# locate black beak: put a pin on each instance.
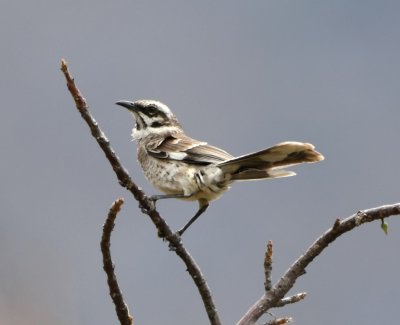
(128, 105)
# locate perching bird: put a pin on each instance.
(189, 169)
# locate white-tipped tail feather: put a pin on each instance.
(268, 163)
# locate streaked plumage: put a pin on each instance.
(189, 169)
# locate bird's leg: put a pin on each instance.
(203, 205)
(155, 198)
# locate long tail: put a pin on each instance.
(269, 163)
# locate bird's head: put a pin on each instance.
(151, 117)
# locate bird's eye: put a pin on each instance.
(156, 124)
(151, 110)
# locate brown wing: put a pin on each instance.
(183, 148)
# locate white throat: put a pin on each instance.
(163, 130)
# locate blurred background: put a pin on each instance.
(240, 75)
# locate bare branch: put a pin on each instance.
(272, 298)
(116, 295)
(268, 266)
(145, 203)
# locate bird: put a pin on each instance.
(188, 169)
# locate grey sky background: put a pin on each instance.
(242, 75)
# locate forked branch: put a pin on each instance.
(274, 297)
(145, 203)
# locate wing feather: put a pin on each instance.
(183, 148)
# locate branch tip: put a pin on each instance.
(292, 299)
(64, 65)
(121, 307)
(269, 249)
(268, 266)
(117, 204)
(280, 321)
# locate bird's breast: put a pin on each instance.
(178, 177)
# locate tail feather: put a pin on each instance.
(255, 174)
(268, 163)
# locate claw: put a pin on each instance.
(152, 205)
(172, 247)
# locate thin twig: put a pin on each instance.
(279, 290)
(280, 321)
(268, 266)
(145, 203)
(291, 300)
(116, 295)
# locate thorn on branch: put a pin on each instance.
(336, 224)
(116, 295)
